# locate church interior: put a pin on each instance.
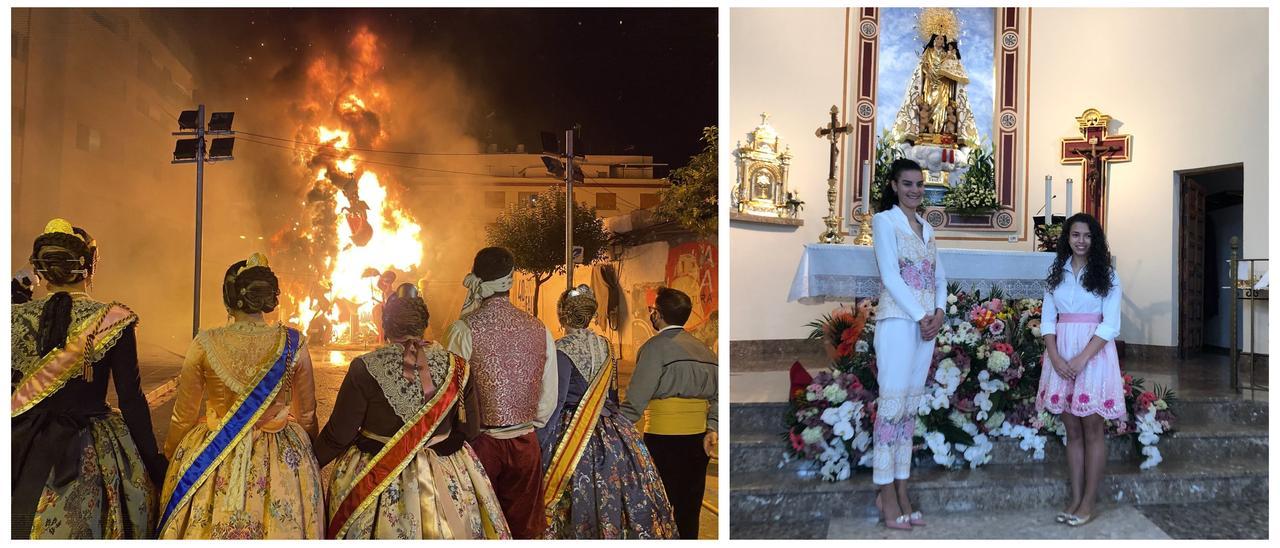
(1152, 120)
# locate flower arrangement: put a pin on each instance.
(1047, 236)
(981, 386)
(977, 194)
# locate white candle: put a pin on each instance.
(866, 186)
(1048, 200)
(1068, 196)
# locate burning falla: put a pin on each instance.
(358, 233)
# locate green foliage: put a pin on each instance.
(886, 153)
(977, 193)
(692, 200)
(534, 232)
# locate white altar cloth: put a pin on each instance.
(843, 272)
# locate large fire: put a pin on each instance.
(359, 235)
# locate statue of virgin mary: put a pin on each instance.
(936, 110)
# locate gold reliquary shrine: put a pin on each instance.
(761, 187)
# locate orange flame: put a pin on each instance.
(394, 237)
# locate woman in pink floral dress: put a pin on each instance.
(1081, 379)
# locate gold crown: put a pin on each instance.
(60, 226)
(257, 259)
(939, 21)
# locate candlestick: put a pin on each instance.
(1048, 200)
(1068, 196)
(866, 186)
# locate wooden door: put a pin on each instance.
(1191, 269)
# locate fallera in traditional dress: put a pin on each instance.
(394, 423)
(1075, 315)
(600, 479)
(80, 468)
(247, 470)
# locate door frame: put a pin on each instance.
(1176, 244)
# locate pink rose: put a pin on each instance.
(1084, 398)
(1054, 399)
(1109, 404)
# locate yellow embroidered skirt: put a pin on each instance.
(268, 487)
(434, 497)
(111, 498)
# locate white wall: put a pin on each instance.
(789, 63)
(1190, 85)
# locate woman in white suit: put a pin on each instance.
(908, 317)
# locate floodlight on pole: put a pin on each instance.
(220, 149)
(220, 122)
(554, 166)
(186, 151)
(189, 120)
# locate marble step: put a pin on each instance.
(1112, 522)
(768, 417)
(781, 496)
(759, 451)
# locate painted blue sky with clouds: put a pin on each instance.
(900, 46)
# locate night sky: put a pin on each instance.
(639, 81)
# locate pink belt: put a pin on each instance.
(1079, 318)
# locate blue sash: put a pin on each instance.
(234, 426)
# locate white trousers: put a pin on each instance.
(902, 365)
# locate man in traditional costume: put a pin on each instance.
(513, 361)
(80, 468)
(246, 469)
(675, 379)
(600, 481)
(405, 411)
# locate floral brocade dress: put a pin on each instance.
(268, 485)
(615, 491)
(443, 492)
(82, 470)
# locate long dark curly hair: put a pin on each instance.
(1098, 269)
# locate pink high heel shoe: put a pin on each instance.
(902, 522)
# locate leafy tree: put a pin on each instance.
(534, 232)
(692, 200)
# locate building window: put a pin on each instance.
(495, 198)
(87, 138)
(606, 201)
(526, 198)
(648, 200)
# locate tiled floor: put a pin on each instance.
(1230, 520)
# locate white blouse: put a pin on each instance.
(1071, 298)
(900, 251)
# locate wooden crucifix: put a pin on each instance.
(832, 132)
(1095, 151)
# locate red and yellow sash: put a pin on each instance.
(574, 440)
(400, 450)
(60, 365)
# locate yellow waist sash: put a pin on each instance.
(677, 416)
